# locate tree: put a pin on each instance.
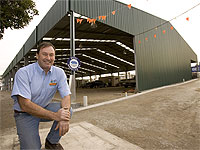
(16, 14)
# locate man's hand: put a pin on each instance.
(63, 127)
(63, 115)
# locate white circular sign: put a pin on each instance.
(73, 63)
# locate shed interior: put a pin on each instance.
(100, 48)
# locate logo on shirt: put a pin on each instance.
(53, 82)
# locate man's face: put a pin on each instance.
(46, 58)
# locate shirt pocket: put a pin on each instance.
(52, 88)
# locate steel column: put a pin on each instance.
(26, 60)
(72, 54)
(9, 81)
(135, 58)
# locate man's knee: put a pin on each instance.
(55, 106)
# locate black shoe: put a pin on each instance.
(57, 146)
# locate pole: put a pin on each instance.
(135, 59)
(72, 54)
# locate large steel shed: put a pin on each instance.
(118, 43)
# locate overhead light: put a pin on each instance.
(124, 46)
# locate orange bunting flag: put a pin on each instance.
(163, 31)
(113, 12)
(171, 28)
(154, 35)
(139, 42)
(79, 20)
(187, 18)
(129, 6)
(103, 17)
(94, 20)
(89, 20)
(146, 39)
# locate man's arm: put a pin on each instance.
(36, 110)
(64, 125)
(66, 102)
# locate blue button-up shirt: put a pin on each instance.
(32, 83)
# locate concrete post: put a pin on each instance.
(126, 94)
(85, 101)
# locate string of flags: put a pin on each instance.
(103, 18)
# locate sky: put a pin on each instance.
(13, 40)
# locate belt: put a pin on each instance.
(16, 111)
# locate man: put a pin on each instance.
(33, 90)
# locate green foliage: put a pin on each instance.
(16, 14)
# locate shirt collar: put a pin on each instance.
(40, 70)
(51, 69)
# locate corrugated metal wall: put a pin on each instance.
(160, 61)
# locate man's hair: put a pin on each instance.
(43, 45)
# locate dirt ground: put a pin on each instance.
(168, 118)
(98, 95)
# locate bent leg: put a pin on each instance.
(27, 130)
(53, 136)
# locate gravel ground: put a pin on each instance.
(168, 118)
